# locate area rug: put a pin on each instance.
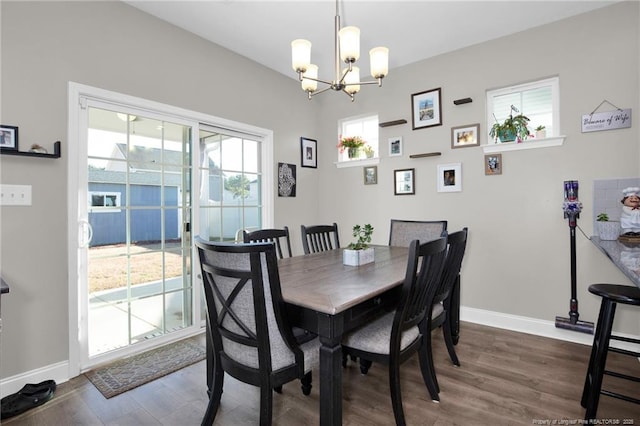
(133, 371)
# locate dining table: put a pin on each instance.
(328, 298)
(625, 255)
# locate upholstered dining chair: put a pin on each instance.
(251, 337)
(441, 305)
(393, 338)
(319, 238)
(402, 232)
(280, 237)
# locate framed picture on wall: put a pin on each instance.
(395, 146)
(465, 136)
(449, 177)
(425, 109)
(404, 182)
(370, 175)
(493, 164)
(8, 138)
(286, 180)
(308, 152)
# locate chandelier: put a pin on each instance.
(347, 50)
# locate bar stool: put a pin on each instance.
(611, 294)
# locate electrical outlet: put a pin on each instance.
(15, 195)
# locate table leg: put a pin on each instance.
(330, 375)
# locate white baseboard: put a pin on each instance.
(58, 372)
(535, 326)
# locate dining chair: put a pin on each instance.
(279, 237)
(441, 304)
(394, 337)
(252, 339)
(319, 238)
(275, 236)
(402, 232)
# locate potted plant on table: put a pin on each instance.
(359, 252)
(608, 230)
(513, 127)
(352, 144)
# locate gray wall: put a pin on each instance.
(518, 253)
(517, 260)
(112, 46)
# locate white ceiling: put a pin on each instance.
(262, 30)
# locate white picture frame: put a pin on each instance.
(449, 177)
(395, 146)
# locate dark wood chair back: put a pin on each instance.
(319, 238)
(280, 237)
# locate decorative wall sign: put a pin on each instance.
(609, 120)
(286, 180)
(425, 108)
(450, 177)
(308, 152)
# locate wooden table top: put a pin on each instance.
(322, 283)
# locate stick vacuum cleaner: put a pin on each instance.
(572, 208)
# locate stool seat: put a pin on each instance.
(611, 295)
(629, 295)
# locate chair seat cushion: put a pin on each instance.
(375, 336)
(437, 309)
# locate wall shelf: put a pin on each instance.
(392, 123)
(56, 152)
(428, 154)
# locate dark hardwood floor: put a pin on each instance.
(505, 378)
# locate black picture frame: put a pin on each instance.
(426, 109)
(308, 153)
(404, 182)
(8, 138)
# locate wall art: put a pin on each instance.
(425, 108)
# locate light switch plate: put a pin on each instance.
(15, 195)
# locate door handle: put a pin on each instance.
(85, 234)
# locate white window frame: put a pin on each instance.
(551, 139)
(104, 209)
(370, 138)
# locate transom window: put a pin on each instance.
(367, 128)
(537, 100)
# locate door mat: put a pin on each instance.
(136, 370)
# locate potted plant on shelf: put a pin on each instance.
(359, 253)
(368, 151)
(513, 127)
(541, 133)
(608, 230)
(352, 144)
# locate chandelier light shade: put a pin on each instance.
(310, 78)
(347, 50)
(379, 60)
(300, 55)
(349, 44)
